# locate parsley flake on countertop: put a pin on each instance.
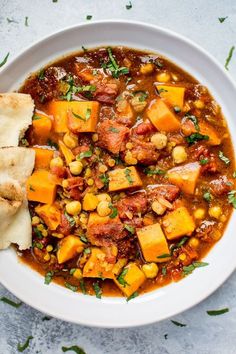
(129, 6)
(73, 348)
(22, 347)
(4, 60)
(217, 312)
(222, 19)
(178, 324)
(229, 57)
(10, 302)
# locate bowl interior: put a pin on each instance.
(176, 297)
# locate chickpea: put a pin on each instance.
(215, 211)
(146, 68)
(179, 154)
(159, 140)
(76, 167)
(73, 208)
(111, 162)
(102, 168)
(103, 208)
(104, 197)
(49, 248)
(163, 77)
(150, 270)
(90, 182)
(47, 257)
(199, 213)
(56, 162)
(70, 140)
(158, 208)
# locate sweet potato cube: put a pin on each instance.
(69, 247)
(174, 95)
(130, 279)
(153, 243)
(178, 223)
(41, 187)
(50, 214)
(42, 125)
(161, 116)
(185, 176)
(206, 129)
(43, 158)
(90, 202)
(68, 154)
(124, 178)
(78, 116)
(97, 266)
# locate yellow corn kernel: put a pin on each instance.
(44, 233)
(78, 274)
(56, 162)
(47, 257)
(90, 182)
(199, 104)
(76, 167)
(88, 172)
(83, 218)
(102, 168)
(223, 218)
(114, 250)
(146, 68)
(65, 183)
(199, 213)
(73, 208)
(35, 220)
(57, 235)
(103, 208)
(70, 140)
(194, 242)
(49, 248)
(129, 146)
(163, 77)
(179, 154)
(129, 159)
(215, 211)
(95, 137)
(158, 208)
(40, 227)
(150, 270)
(182, 256)
(159, 140)
(111, 162)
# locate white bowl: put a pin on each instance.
(176, 297)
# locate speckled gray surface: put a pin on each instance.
(198, 20)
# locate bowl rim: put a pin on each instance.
(217, 282)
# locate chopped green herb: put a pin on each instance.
(194, 120)
(87, 251)
(135, 294)
(84, 154)
(118, 160)
(164, 255)
(71, 287)
(128, 80)
(70, 219)
(95, 72)
(41, 74)
(38, 233)
(89, 17)
(158, 63)
(222, 19)
(161, 90)
(52, 144)
(54, 0)
(128, 176)
(163, 270)
(73, 348)
(48, 277)
(113, 130)
(232, 198)
(129, 228)
(31, 188)
(129, 6)
(105, 179)
(98, 290)
(229, 57)
(4, 60)
(114, 211)
(27, 21)
(177, 109)
(190, 268)
(38, 245)
(24, 142)
(42, 98)
(10, 302)
(207, 196)
(84, 49)
(72, 270)
(178, 323)
(194, 137)
(234, 174)
(114, 68)
(35, 117)
(22, 347)
(11, 20)
(203, 161)
(142, 95)
(166, 336)
(149, 172)
(78, 116)
(83, 238)
(217, 312)
(178, 245)
(82, 287)
(121, 279)
(223, 158)
(87, 114)
(46, 318)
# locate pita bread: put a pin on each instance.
(16, 110)
(16, 165)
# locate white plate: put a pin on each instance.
(176, 297)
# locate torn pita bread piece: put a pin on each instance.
(16, 165)
(16, 111)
